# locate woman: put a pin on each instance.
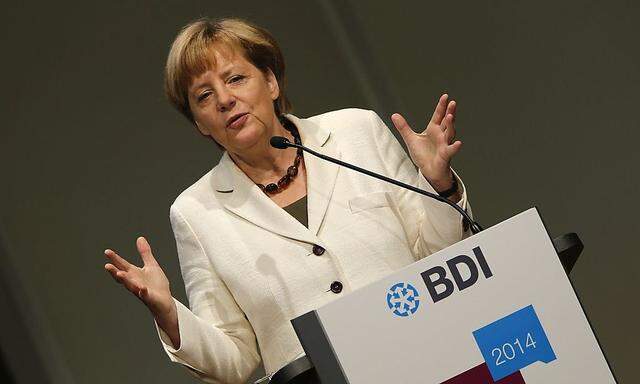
(268, 234)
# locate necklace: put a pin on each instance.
(292, 171)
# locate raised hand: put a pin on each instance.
(149, 283)
(432, 149)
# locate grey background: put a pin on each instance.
(92, 155)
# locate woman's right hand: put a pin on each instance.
(149, 283)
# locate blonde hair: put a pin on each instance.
(190, 56)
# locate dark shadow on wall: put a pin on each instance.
(19, 358)
(5, 375)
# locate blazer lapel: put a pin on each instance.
(321, 174)
(238, 194)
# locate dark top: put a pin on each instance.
(298, 209)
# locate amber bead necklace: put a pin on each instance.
(292, 171)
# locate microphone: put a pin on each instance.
(283, 143)
(279, 142)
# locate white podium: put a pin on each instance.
(495, 307)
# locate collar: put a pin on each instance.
(239, 194)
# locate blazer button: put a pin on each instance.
(336, 287)
(318, 250)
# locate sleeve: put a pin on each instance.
(217, 343)
(430, 225)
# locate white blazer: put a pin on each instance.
(248, 266)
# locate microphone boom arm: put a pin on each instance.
(475, 227)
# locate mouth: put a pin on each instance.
(237, 120)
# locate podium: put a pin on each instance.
(496, 307)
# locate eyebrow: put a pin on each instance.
(224, 74)
(195, 90)
(228, 71)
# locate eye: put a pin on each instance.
(203, 96)
(236, 78)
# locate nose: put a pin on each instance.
(226, 100)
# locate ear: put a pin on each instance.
(272, 84)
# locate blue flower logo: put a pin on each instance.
(403, 299)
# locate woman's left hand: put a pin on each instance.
(433, 149)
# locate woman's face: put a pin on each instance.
(233, 102)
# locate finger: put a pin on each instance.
(118, 261)
(132, 284)
(450, 130)
(451, 109)
(112, 271)
(117, 274)
(440, 110)
(453, 149)
(402, 126)
(144, 249)
(122, 278)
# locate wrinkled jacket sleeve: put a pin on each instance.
(430, 225)
(217, 343)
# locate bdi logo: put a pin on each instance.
(440, 286)
(403, 299)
